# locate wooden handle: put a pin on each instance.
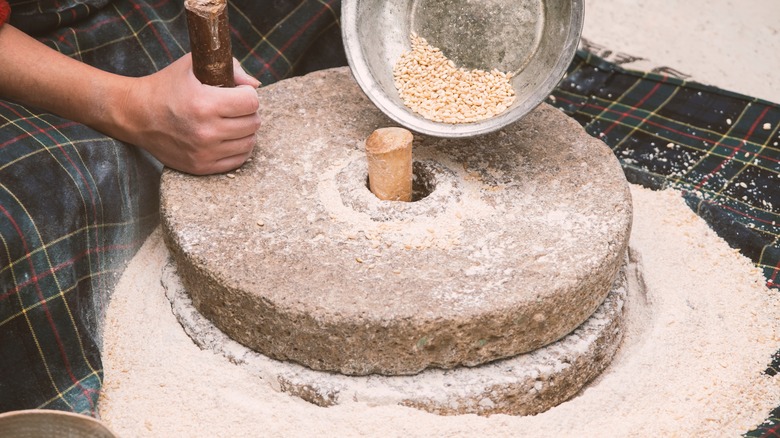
(389, 152)
(212, 57)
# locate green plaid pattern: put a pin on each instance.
(75, 206)
(68, 223)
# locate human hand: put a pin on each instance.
(188, 126)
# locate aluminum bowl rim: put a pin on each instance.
(371, 88)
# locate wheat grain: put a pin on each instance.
(432, 86)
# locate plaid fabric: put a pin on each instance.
(718, 148)
(771, 426)
(37, 17)
(68, 222)
(769, 429)
(75, 205)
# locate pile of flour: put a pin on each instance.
(691, 363)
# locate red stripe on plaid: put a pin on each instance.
(45, 131)
(774, 432)
(301, 30)
(83, 178)
(733, 210)
(5, 11)
(72, 31)
(736, 150)
(28, 135)
(73, 13)
(639, 104)
(38, 277)
(664, 127)
(771, 282)
(157, 35)
(86, 30)
(254, 54)
(47, 312)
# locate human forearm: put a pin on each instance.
(186, 125)
(36, 75)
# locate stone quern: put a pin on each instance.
(511, 242)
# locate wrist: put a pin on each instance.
(117, 109)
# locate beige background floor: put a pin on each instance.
(728, 43)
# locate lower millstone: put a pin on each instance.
(527, 384)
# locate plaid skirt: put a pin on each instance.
(76, 205)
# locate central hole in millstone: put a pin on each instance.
(423, 181)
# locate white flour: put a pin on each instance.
(691, 364)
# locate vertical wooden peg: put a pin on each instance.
(389, 152)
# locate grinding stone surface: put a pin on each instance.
(527, 384)
(516, 244)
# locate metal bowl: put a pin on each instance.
(41, 423)
(535, 40)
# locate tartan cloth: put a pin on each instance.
(75, 205)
